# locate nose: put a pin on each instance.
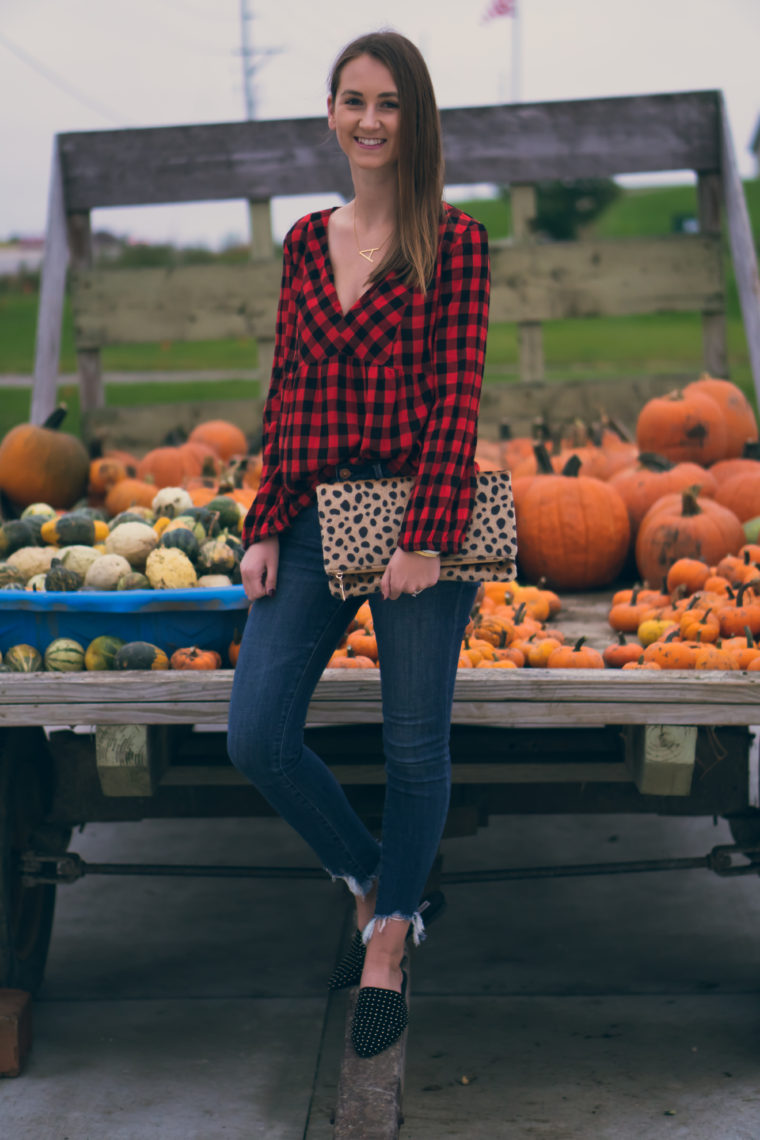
(369, 117)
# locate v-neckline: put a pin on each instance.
(330, 270)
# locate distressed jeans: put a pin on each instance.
(287, 642)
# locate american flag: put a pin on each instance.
(500, 8)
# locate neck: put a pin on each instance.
(375, 200)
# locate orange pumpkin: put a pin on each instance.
(226, 438)
(191, 657)
(738, 416)
(233, 649)
(574, 531)
(683, 427)
(129, 493)
(685, 526)
(362, 643)
(167, 466)
(620, 652)
(688, 573)
(104, 472)
(40, 464)
(653, 476)
(578, 656)
(741, 494)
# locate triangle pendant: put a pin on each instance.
(367, 254)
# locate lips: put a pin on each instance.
(370, 144)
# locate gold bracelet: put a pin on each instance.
(426, 553)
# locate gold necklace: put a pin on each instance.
(369, 253)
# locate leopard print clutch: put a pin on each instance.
(360, 522)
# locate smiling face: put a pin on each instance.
(365, 113)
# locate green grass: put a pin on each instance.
(614, 346)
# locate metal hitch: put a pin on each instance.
(39, 868)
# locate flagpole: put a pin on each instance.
(516, 77)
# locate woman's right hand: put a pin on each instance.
(258, 568)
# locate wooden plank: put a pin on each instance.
(530, 283)
(661, 758)
(79, 231)
(529, 333)
(130, 758)
(52, 288)
(504, 144)
(709, 199)
(202, 302)
(612, 277)
(742, 246)
(137, 429)
(564, 401)
(215, 775)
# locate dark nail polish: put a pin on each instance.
(270, 593)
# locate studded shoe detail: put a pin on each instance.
(380, 1017)
(348, 972)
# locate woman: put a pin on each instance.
(379, 356)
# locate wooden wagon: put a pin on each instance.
(130, 747)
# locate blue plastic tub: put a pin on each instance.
(170, 619)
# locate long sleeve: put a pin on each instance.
(265, 506)
(440, 505)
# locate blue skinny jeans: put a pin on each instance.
(287, 642)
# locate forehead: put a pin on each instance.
(366, 74)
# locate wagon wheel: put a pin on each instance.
(26, 912)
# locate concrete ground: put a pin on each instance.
(623, 1007)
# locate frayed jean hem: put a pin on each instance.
(358, 889)
(381, 921)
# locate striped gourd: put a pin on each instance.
(64, 655)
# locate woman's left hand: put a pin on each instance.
(408, 574)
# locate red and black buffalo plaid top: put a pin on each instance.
(395, 379)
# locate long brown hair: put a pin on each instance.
(420, 161)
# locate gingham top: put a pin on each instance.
(395, 379)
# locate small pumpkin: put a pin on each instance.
(227, 510)
(619, 652)
(233, 649)
(215, 556)
(133, 580)
(192, 657)
(106, 571)
(61, 580)
(578, 656)
(182, 539)
(16, 533)
(23, 659)
(129, 493)
(64, 655)
(140, 655)
(100, 654)
(73, 529)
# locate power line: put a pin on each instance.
(61, 83)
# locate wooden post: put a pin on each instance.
(661, 757)
(91, 395)
(713, 324)
(52, 290)
(523, 201)
(262, 249)
(131, 758)
(742, 246)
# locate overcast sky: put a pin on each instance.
(69, 65)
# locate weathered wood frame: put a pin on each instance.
(515, 145)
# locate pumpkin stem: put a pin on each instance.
(579, 644)
(690, 506)
(543, 462)
(654, 462)
(572, 467)
(750, 638)
(56, 417)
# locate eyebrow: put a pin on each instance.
(382, 95)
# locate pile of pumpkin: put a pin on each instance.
(685, 487)
(704, 617)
